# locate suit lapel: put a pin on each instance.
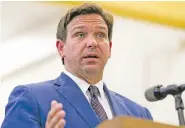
(68, 88)
(118, 107)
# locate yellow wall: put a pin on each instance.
(166, 13)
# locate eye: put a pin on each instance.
(80, 35)
(100, 35)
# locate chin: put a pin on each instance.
(92, 69)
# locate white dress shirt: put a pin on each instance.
(83, 85)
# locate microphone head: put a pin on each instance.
(154, 94)
(150, 95)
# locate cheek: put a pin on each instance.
(78, 48)
(105, 48)
(75, 50)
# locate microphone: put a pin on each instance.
(159, 92)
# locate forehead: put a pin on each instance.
(87, 20)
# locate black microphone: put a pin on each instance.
(154, 93)
(159, 92)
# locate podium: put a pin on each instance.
(131, 122)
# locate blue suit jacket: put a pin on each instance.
(29, 105)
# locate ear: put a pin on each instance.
(110, 47)
(61, 48)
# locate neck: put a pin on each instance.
(91, 79)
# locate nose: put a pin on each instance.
(91, 42)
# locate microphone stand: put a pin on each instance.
(179, 107)
(176, 91)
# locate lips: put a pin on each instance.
(91, 56)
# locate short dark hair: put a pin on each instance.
(87, 8)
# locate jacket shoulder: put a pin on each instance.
(132, 107)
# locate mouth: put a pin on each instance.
(91, 57)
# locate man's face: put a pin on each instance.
(87, 47)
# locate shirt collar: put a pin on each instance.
(83, 85)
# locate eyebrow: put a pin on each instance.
(102, 27)
(78, 27)
(82, 27)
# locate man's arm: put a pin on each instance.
(21, 110)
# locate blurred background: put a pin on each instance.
(148, 49)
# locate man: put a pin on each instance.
(78, 98)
